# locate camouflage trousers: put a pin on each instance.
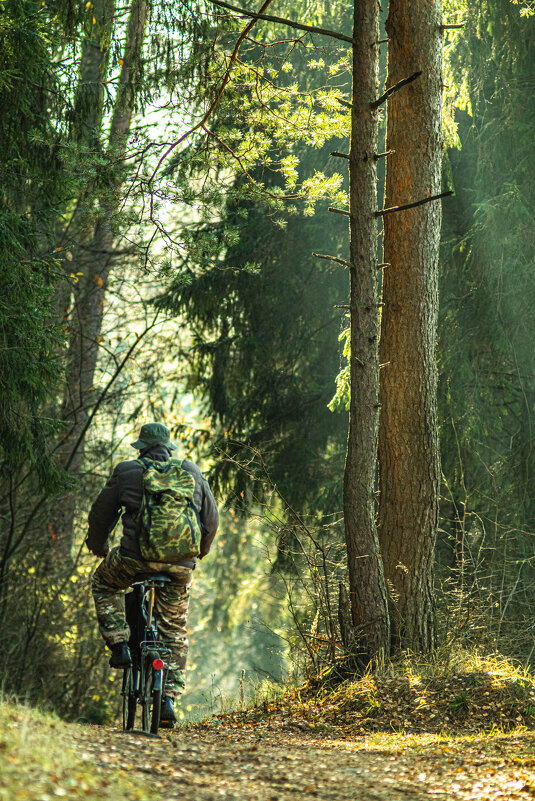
(113, 576)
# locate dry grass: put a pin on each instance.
(38, 762)
(463, 693)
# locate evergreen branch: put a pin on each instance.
(245, 171)
(290, 23)
(263, 78)
(395, 88)
(243, 35)
(392, 209)
(343, 262)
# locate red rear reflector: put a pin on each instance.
(157, 664)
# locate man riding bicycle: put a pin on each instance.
(125, 490)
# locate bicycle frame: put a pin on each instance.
(144, 682)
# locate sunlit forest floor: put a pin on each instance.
(43, 759)
(390, 737)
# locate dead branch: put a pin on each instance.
(339, 211)
(290, 23)
(378, 156)
(395, 88)
(343, 262)
(393, 209)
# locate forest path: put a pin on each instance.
(211, 763)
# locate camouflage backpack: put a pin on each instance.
(170, 530)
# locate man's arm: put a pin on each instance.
(103, 516)
(209, 516)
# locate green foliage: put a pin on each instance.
(341, 398)
(31, 183)
(487, 384)
(264, 355)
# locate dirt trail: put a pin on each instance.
(215, 762)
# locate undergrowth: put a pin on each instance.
(449, 692)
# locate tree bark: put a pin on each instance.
(409, 469)
(367, 590)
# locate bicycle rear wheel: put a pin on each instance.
(152, 703)
(129, 699)
(156, 711)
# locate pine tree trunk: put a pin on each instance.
(409, 469)
(367, 591)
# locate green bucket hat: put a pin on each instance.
(153, 434)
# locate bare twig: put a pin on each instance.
(343, 262)
(395, 88)
(290, 23)
(393, 209)
(340, 155)
(89, 420)
(382, 155)
(339, 211)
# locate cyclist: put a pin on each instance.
(124, 491)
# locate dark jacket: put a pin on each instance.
(124, 490)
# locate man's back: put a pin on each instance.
(124, 490)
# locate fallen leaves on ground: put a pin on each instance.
(492, 695)
(208, 763)
(384, 737)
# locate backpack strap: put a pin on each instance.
(190, 504)
(145, 463)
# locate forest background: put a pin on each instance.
(160, 212)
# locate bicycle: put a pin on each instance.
(144, 681)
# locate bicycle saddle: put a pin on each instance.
(157, 578)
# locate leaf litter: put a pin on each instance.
(384, 737)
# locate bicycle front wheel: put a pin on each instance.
(129, 699)
(152, 703)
